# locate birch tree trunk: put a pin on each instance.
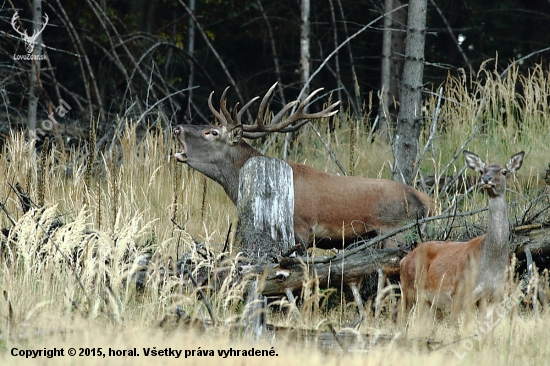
(406, 145)
(304, 65)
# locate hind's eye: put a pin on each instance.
(215, 133)
(504, 171)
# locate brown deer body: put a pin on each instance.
(324, 204)
(453, 274)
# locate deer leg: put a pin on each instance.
(379, 286)
(292, 301)
(359, 302)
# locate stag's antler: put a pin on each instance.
(278, 122)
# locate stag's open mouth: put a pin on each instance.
(181, 156)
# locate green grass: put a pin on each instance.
(125, 215)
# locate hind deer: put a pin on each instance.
(454, 274)
(324, 204)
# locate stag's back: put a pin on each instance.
(327, 204)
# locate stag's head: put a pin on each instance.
(201, 144)
(203, 147)
(29, 40)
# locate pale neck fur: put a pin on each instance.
(494, 247)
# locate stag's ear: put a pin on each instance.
(474, 161)
(515, 162)
(235, 134)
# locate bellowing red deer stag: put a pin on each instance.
(324, 204)
(454, 274)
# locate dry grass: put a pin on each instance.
(516, 340)
(72, 289)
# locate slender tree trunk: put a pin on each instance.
(406, 145)
(304, 65)
(385, 77)
(274, 51)
(34, 89)
(191, 50)
(335, 39)
(398, 36)
(304, 47)
(352, 64)
(393, 47)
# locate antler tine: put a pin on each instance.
(226, 114)
(223, 94)
(235, 117)
(265, 102)
(223, 107)
(218, 116)
(310, 97)
(244, 108)
(327, 112)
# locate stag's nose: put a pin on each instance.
(177, 130)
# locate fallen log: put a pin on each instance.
(290, 273)
(537, 237)
(352, 266)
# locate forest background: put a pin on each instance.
(153, 60)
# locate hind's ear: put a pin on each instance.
(474, 161)
(515, 162)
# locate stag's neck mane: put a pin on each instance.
(229, 170)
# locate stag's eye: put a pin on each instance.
(213, 132)
(504, 172)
